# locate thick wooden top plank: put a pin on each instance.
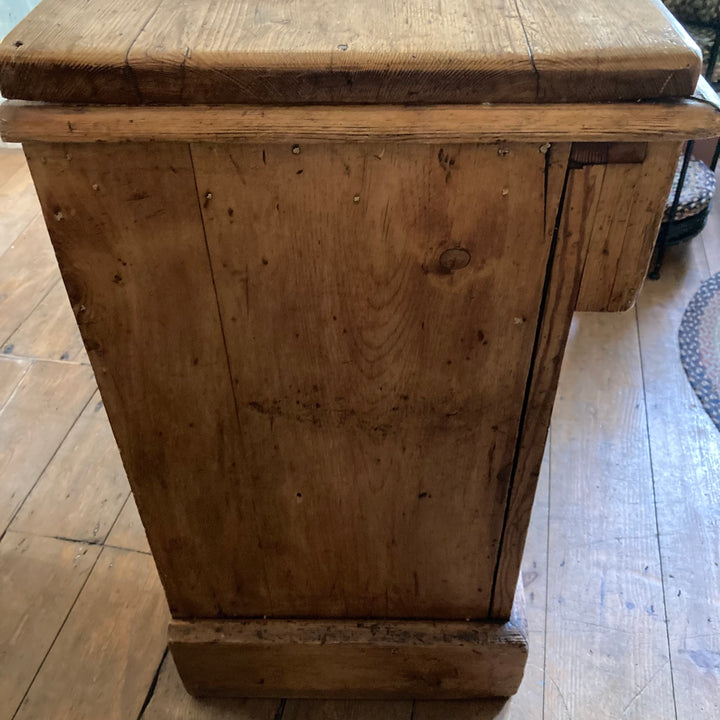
(344, 51)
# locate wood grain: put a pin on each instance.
(680, 120)
(56, 394)
(18, 201)
(561, 219)
(27, 272)
(348, 659)
(348, 710)
(50, 331)
(596, 51)
(624, 229)
(115, 636)
(606, 645)
(319, 51)
(41, 577)
(11, 373)
(361, 366)
(686, 465)
(170, 701)
(128, 531)
(172, 412)
(83, 488)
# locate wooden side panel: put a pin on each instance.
(349, 659)
(626, 224)
(380, 389)
(128, 235)
(577, 198)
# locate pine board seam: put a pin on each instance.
(531, 57)
(655, 511)
(128, 67)
(45, 467)
(153, 684)
(27, 316)
(222, 329)
(62, 625)
(14, 391)
(529, 382)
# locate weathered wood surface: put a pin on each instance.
(342, 51)
(103, 661)
(372, 379)
(86, 478)
(623, 228)
(56, 394)
(606, 645)
(361, 446)
(348, 658)
(41, 578)
(148, 314)
(682, 119)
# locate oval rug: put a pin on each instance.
(699, 337)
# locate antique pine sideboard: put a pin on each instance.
(324, 258)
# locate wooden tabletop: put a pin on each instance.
(347, 51)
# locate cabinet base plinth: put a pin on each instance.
(351, 659)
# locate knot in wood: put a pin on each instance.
(454, 259)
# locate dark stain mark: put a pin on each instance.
(264, 157)
(70, 127)
(140, 196)
(117, 279)
(8, 349)
(231, 212)
(264, 261)
(704, 659)
(299, 172)
(630, 606)
(422, 495)
(65, 356)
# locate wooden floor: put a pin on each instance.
(621, 570)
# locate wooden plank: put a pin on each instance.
(527, 703)
(397, 659)
(625, 229)
(115, 637)
(11, 160)
(18, 203)
(50, 331)
(146, 306)
(170, 701)
(82, 490)
(128, 531)
(686, 465)
(41, 577)
(44, 407)
(624, 40)
(575, 197)
(348, 710)
(27, 272)
(606, 644)
(12, 371)
(369, 445)
(612, 122)
(341, 51)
